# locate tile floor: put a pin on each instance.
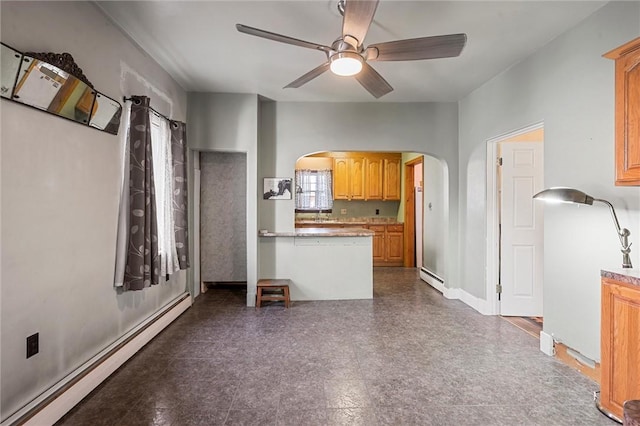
(407, 357)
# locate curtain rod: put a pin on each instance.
(137, 102)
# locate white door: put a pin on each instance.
(521, 242)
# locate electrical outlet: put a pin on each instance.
(32, 345)
(377, 212)
(343, 211)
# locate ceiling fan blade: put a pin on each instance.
(372, 81)
(445, 46)
(358, 15)
(308, 76)
(281, 38)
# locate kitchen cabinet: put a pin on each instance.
(627, 112)
(392, 178)
(348, 178)
(620, 344)
(366, 176)
(394, 244)
(388, 244)
(374, 178)
(378, 243)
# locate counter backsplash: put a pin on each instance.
(328, 219)
(356, 210)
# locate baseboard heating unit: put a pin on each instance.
(55, 402)
(432, 279)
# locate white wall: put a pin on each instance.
(570, 87)
(60, 194)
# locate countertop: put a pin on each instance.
(629, 276)
(320, 232)
(350, 221)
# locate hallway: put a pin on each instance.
(407, 357)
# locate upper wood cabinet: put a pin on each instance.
(392, 178)
(366, 176)
(348, 178)
(374, 173)
(627, 77)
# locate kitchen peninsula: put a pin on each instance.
(323, 263)
(388, 236)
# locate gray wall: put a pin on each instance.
(436, 221)
(570, 87)
(223, 221)
(357, 208)
(60, 193)
(290, 130)
(435, 236)
(225, 122)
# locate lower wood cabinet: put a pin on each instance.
(388, 244)
(394, 244)
(620, 344)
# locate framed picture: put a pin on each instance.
(277, 188)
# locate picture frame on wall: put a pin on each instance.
(277, 188)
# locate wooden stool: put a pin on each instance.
(273, 284)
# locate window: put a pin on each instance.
(163, 180)
(152, 240)
(314, 191)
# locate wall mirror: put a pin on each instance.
(54, 83)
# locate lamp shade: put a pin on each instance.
(564, 195)
(346, 63)
(571, 195)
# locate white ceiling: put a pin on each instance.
(197, 43)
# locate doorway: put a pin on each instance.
(413, 212)
(223, 206)
(514, 223)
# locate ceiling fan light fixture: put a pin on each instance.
(346, 64)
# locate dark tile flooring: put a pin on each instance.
(407, 357)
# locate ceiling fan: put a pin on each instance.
(347, 56)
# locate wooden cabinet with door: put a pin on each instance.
(394, 244)
(374, 178)
(392, 178)
(388, 244)
(349, 177)
(366, 176)
(627, 122)
(620, 344)
(378, 244)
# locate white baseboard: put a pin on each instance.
(51, 406)
(434, 281)
(251, 299)
(476, 303)
(546, 344)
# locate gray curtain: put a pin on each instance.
(180, 201)
(143, 264)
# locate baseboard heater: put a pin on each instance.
(54, 403)
(432, 275)
(432, 279)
